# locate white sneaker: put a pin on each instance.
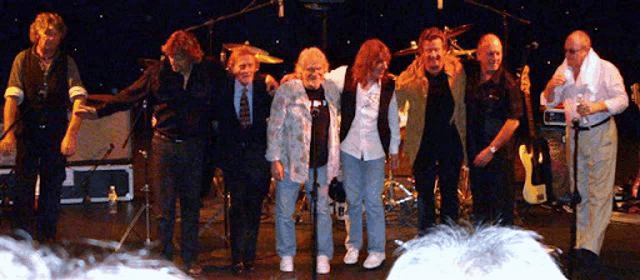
(323, 266)
(373, 260)
(351, 257)
(286, 264)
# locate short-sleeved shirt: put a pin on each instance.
(489, 105)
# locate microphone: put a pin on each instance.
(316, 106)
(575, 122)
(280, 8)
(533, 45)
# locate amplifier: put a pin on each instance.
(554, 117)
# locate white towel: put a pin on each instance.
(588, 77)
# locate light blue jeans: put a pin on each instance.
(364, 181)
(286, 197)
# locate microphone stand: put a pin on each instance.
(3, 186)
(314, 196)
(505, 26)
(248, 8)
(145, 208)
(84, 184)
(211, 22)
(575, 198)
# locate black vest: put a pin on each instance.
(48, 109)
(348, 107)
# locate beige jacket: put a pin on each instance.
(412, 86)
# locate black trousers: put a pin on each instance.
(176, 172)
(492, 190)
(38, 154)
(442, 160)
(246, 177)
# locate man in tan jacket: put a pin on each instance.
(434, 86)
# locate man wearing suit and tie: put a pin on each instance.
(244, 103)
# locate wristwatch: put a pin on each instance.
(493, 149)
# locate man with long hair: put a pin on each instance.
(369, 132)
(434, 86)
(44, 85)
(302, 137)
(180, 89)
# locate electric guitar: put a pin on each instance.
(535, 154)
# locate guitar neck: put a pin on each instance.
(530, 120)
(525, 85)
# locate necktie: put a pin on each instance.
(245, 116)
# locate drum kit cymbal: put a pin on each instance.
(261, 55)
(450, 34)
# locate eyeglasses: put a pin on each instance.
(573, 51)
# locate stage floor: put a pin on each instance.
(620, 254)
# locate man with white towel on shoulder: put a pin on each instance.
(592, 91)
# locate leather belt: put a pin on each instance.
(595, 125)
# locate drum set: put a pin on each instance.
(450, 34)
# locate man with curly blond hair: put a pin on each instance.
(44, 85)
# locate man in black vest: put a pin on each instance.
(369, 131)
(242, 110)
(43, 85)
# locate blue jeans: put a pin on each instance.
(286, 197)
(364, 181)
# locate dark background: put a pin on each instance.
(107, 38)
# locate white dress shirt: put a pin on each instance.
(599, 80)
(363, 140)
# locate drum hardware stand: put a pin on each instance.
(226, 205)
(145, 208)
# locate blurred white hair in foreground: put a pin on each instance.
(23, 259)
(485, 252)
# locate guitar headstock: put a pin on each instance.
(525, 82)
